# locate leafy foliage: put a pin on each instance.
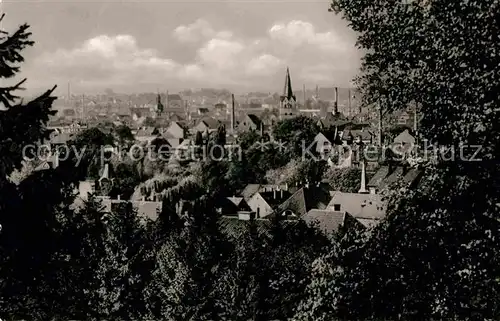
(435, 254)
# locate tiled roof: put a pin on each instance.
(393, 177)
(275, 198)
(238, 201)
(210, 122)
(146, 209)
(148, 131)
(250, 190)
(305, 199)
(379, 176)
(412, 176)
(368, 206)
(327, 221)
(295, 203)
(364, 134)
(256, 120)
(61, 138)
(368, 223)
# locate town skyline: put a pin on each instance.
(165, 45)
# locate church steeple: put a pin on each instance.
(288, 91)
(288, 99)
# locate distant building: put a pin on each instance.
(250, 123)
(174, 101)
(288, 101)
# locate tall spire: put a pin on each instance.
(287, 91)
(232, 114)
(363, 190)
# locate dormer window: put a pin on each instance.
(336, 207)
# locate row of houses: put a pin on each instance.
(315, 204)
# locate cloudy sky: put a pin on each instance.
(166, 44)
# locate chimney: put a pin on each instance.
(281, 194)
(274, 193)
(336, 106)
(363, 190)
(118, 197)
(304, 95)
(286, 186)
(232, 113)
(349, 102)
(55, 163)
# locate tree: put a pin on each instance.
(149, 122)
(429, 254)
(298, 133)
(245, 278)
(346, 180)
(198, 141)
(124, 135)
(21, 124)
(188, 267)
(221, 136)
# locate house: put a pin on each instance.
(250, 122)
(252, 189)
(146, 134)
(263, 203)
(177, 130)
(376, 181)
(357, 136)
(221, 109)
(387, 175)
(140, 112)
(147, 210)
(174, 101)
(173, 141)
(303, 200)
(57, 138)
(231, 206)
(323, 144)
(404, 143)
(208, 124)
(368, 209)
(202, 111)
(331, 222)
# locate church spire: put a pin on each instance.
(287, 91)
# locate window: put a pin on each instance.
(258, 212)
(336, 207)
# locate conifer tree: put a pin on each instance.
(21, 123)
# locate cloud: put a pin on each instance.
(299, 33)
(220, 59)
(220, 53)
(198, 31)
(265, 64)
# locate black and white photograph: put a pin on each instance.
(250, 160)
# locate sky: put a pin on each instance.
(135, 46)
